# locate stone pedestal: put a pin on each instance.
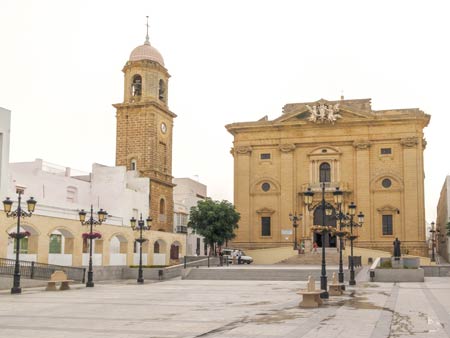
(397, 263)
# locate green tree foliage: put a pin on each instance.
(448, 229)
(214, 220)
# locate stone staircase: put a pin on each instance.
(331, 258)
(255, 273)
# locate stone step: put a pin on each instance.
(252, 273)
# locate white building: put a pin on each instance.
(5, 123)
(442, 218)
(186, 194)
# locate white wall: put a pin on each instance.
(110, 188)
(5, 126)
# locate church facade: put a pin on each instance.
(144, 129)
(375, 158)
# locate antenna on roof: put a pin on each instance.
(147, 39)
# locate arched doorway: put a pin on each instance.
(330, 240)
(159, 252)
(60, 249)
(175, 251)
(28, 245)
(118, 247)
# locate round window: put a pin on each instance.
(386, 183)
(265, 186)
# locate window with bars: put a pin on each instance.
(387, 225)
(386, 151)
(265, 156)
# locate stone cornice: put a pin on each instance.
(144, 104)
(145, 64)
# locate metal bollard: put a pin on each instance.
(32, 270)
(185, 262)
(208, 261)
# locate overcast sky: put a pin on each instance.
(230, 61)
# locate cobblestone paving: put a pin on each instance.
(189, 308)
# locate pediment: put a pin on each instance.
(325, 112)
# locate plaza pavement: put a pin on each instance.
(192, 308)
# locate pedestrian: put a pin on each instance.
(315, 247)
(221, 258)
(302, 247)
(233, 257)
(239, 257)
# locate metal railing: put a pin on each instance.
(34, 270)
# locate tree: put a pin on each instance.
(214, 220)
(448, 229)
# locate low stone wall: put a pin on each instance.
(399, 275)
(436, 270)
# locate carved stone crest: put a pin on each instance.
(409, 142)
(287, 147)
(243, 150)
(361, 144)
(322, 113)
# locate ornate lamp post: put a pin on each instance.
(91, 222)
(433, 241)
(337, 194)
(18, 213)
(294, 219)
(326, 210)
(140, 227)
(352, 213)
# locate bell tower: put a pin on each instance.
(144, 129)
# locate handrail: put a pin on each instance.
(34, 270)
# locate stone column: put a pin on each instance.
(361, 193)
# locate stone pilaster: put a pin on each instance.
(361, 193)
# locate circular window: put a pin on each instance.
(265, 186)
(386, 183)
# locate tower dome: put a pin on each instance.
(146, 52)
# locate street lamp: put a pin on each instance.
(327, 209)
(18, 213)
(91, 222)
(338, 194)
(140, 227)
(433, 241)
(352, 213)
(294, 219)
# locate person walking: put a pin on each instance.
(239, 257)
(233, 257)
(315, 248)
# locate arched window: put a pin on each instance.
(162, 90)
(133, 165)
(162, 210)
(156, 247)
(325, 172)
(136, 86)
(162, 206)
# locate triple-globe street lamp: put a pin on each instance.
(352, 237)
(140, 227)
(327, 209)
(18, 213)
(91, 235)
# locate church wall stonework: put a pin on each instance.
(364, 150)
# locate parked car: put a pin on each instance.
(228, 257)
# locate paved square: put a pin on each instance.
(189, 308)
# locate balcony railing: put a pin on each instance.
(329, 187)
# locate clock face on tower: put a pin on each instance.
(163, 128)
